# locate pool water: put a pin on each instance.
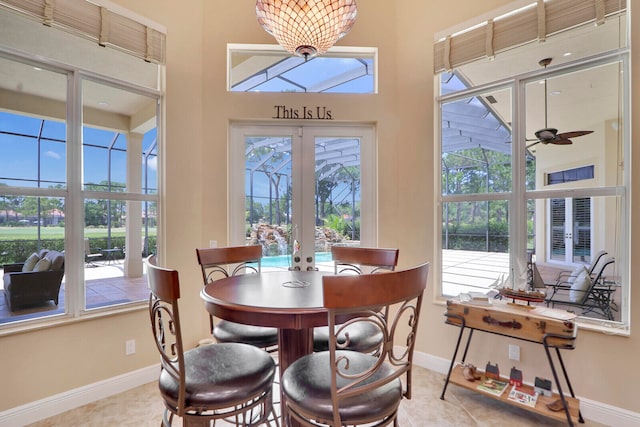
(285, 260)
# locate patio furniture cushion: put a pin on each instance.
(56, 258)
(580, 285)
(43, 265)
(575, 273)
(31, 262)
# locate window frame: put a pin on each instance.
(74, 194)
(519, 197)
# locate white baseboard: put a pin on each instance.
(590, 409)
(54, 405)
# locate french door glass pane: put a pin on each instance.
(582, 229)
(571, 230)
(333, 193)
(268, 198)
(558, 249)
(337, 201)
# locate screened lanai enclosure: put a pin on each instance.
(270, 200)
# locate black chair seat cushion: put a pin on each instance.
(221, 375)
(363, 336)
(307, 384)
(225, 331)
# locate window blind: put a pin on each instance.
(536, 22)
(99, 23)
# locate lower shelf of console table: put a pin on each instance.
(457, 378)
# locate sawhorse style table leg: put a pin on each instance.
(455, 352)
(565, 405)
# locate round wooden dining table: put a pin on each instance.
(288, 300)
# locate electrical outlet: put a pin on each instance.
(514, 352)
(130, 347)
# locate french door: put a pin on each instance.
(571, 230)
(298, 190)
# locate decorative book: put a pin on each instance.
(477, 298)
(491, 386)
(521, 396)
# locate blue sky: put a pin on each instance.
(19, 154)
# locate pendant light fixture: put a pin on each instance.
(306, 27)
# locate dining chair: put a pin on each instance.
(341, 387)
(216, 263)
(222, 381)
(357, 260)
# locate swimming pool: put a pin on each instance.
(284, 260)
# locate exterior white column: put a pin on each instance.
(133, 238)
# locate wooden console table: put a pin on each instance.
(523, 323)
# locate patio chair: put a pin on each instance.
(89, 256)
(568, 276)
(216, 263)
(340, 387)
(225, 381)
(356, 260)
(35, 281)
(591, 294)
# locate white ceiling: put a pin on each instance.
(592, 91)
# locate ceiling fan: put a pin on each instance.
(550, 135)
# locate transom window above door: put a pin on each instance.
(269, 68)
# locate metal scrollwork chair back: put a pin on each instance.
(229, 381)
(343, 387)
(216, 263)
(357, 260)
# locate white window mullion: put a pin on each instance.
(518, 199)
(74, 224)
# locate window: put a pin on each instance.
(78, 175)
(267, 68)
(508, 192)
(570, 175)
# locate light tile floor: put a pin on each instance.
(142, 407)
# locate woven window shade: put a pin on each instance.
(527, 25)
(105, 27)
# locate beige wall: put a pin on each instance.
(50, 361)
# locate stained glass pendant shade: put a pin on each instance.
(306, 27)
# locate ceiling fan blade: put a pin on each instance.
(562, 141)
(574, 134)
